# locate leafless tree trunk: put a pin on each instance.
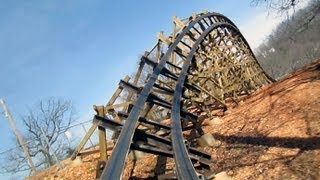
(294, 43)
(45, 124)
(281, 6)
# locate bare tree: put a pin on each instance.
(45, 125)
(281, 6)
(294, 43)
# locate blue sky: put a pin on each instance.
(79, 50)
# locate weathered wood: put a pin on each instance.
(178, 22)
(117, 93)
(103, 143)
(163, 38)
(210, 94)
(113, 98)
(84, 141)
(124, 105)
(102, 134)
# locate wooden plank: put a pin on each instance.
(147, 109)
(135, 81)
(158, 52)
(102, 134)
(84, 141)
(173, 55)
(208, 93)
(147, 53)
(103, 143)
(178, 22)
(163, 38)
(117, 93)
(107, 108)
(114, 98)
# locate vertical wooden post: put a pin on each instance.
(158, 51)
(173, 55)
(103, 143)
(102, 135)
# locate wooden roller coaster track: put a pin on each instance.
(205, 64)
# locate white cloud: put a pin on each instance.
(256, 30)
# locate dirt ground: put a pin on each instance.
(273, 134)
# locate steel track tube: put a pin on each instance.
(184, 166)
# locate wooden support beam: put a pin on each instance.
(114, 98)
(84, 141)
(124, 104)
(103, 143)
(163, 38)
(178, 22)
(117, 93)
(135, 81)
(208, 93)
(102, 134)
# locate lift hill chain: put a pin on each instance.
(204, 65)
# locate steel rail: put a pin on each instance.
(184, 166)
(116, 161)
(143, 136)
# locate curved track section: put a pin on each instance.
(207, 62)
(184, 165)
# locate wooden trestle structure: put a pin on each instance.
(205, 64)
